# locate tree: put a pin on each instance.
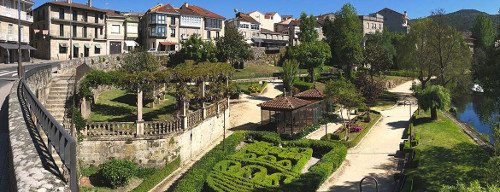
(378, 52)
(483, 32)
(434, 97)
(197, 50)
(496, 138)
(371, 89)
(345, 35)
(449, 51)
(311, 55)
(139, 70)
(345, 94)
(290, 73)
(232, 46)
(307, 27)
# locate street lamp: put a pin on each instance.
(19, 53)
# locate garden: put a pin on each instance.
(358, 128)
(251, 160)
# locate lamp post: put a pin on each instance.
(19, 53)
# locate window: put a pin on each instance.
(61, 13)
(97, 50)
(63, 49)
(172, 32)
(217, 35)
(84, 32)
(96, 34)
(374, 26)
(158, 31)
(368, 25)
(61, 30)
(244, 26)
(97, 18)
(74, 31)
(161, 19)
(10, 31)
(101, 31)
(85, 16)
(255, 26)
(379, 26)
(172, 20)
(213, 23)
(208, 34)
(75, 15)
(115, 29)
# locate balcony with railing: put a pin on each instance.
(13, 13)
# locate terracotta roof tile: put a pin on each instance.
(167, 8)
(75, 5)
(311, 94)
(269, 15)
(203, 12)
(284, 103)
(113, 13)
(244, 17)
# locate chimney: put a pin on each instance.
(186, 4)
(68, 1)
(89, 3)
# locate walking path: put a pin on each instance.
(374, 155)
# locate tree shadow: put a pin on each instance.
(168, 109)
(398, 124)
(129, 99)
(422, 120)
(438, 166)
(250, 127)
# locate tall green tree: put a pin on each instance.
(307, 27)
(311, 55)
(434, 97)
(378, 52)
(232, 46)
(198, 50)
(483, 32)
(290, 73)
(345, 35)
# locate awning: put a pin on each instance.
(168, 43)
(16, 46)
(86, 45)
(98, 46)
(63, 44)
(257, 40)
(131, 43)
(76, 44)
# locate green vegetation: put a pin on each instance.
(290, 73)
(120, 105)
(116, 173)
(232, 47)
(434, 97)
(355, 137)
(302, 85)
(331, 154)
(256, 71)
(251, 87)
(311, 55)
(474, 186)
(444, 154)
(156, 177)
(259, 165)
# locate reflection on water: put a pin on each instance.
(478, 110)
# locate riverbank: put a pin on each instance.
(445, 154)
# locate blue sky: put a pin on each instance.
(415, 8)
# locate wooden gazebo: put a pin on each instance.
(311, 95)
(290, 115)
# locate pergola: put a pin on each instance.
(290, 115)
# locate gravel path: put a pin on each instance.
(374, 154)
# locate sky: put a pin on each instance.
(415, 8)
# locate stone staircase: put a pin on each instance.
(57, 103)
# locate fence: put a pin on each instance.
(58, 137)
(154, 128)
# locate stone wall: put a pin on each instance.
(153, 151)
(262, 57)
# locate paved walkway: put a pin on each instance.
(332, 127)
(374, 154)
(5, 87)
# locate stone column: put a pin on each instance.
(204, 108)
(203, 88)
(140, 121)
(184, 115)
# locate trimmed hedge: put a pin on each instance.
(302, 85)
(116, 173)
(332, 155)
(152, 180)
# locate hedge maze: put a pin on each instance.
(259, 165)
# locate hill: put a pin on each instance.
(464, 20)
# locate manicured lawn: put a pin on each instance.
(445, 154)
(119, 105)
(244, 87)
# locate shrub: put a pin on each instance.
(153, 179)
(116, 173)
(302, 85)
(331, 137)
(79, 121)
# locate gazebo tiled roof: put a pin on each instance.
(311, 94)
(283, 104)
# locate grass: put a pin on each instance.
(445, 154)
(155, 178)
(256, 71)
(355, 137)
(244, 87)
(119, 105)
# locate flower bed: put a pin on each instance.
(210, 173)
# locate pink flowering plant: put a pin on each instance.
(355, 128)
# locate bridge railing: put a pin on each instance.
(63, 143)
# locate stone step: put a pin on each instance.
(61, 88)
(55, 103)
(65, 93)
(56, 110)
(57, 97)
(63, 81)
(62, 85)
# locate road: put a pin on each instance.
(374, 155)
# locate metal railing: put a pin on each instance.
(58, 137)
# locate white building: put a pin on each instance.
(266, 20)
(9, 36)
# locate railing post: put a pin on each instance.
(204, 107)
(184, 116)
(218, 107)
(139, 128)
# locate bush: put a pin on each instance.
(78, 120)
(153, 179)
(302, 85)
(401, 73)
(116, 173)
(331, 137)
